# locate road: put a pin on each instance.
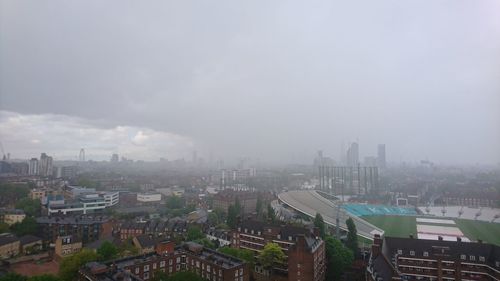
(310, 202)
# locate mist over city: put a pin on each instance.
(249, 141)
(269, 81)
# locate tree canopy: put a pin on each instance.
(194, 233)
(320, 224)
(232, 216)
(271, 215)
(339, 258)
(352, 236)
(244, 254)
(31, 207)
(27, 226)
(107, 251)
(271, 255)
(69, 266)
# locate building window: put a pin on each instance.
(146, 275)
(412, 253)
(208, 268)
(463, 257)
(241, 271)
(426, 254)
(472, 258)
(177, 267)
(137, 270)
(482, 259)
(154, 265)
(197, 264)
(178, 260)
(236, 273)
(146, 268)
(162, 263)
(400, 252)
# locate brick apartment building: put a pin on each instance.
(190, 256)
(247, 199)
(86, 228)
(415, 259)
(305, 251)
(155, 228)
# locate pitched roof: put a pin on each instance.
(27, 239)
(145, 241)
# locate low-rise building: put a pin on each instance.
(206, 263)
(9, 246)
(30, 244)
(144, 243)
(11, 216)
(148, 197)
(305, 250)
(417, 259)
(88, 228)
(85, 203)
(67, 246)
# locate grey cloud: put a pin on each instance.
(273, 80)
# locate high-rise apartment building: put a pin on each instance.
(381, 156)
(45, 167)
(33, 167)
(353, 155)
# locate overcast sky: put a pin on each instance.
(274, 80)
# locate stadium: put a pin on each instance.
(448, 223)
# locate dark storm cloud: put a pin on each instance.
(274, 80)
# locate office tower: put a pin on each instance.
(353, 155)
(381, 156)
(81, 157)
(45, 167)
(33, 167)
(114, 158)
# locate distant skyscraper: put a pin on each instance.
(33, 167)
(353, 155)
(45, 165)
(81, 157)
(114, 157)
(381, 156)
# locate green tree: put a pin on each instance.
(339, 258)
(271, 256)
(27, 226)
(69, 266)
(175, 202)
(194, 233)
(258, 206)
(107, 251)
(44, 277)
(4, 227)
(320, 224)
(12, 276)
(271, 215)
(30, 206)
(206, 243)
(244, 254)
(237, 206)
(212, 218)
(352, 236)
(232, 216)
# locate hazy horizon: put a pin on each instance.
(275, 81)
